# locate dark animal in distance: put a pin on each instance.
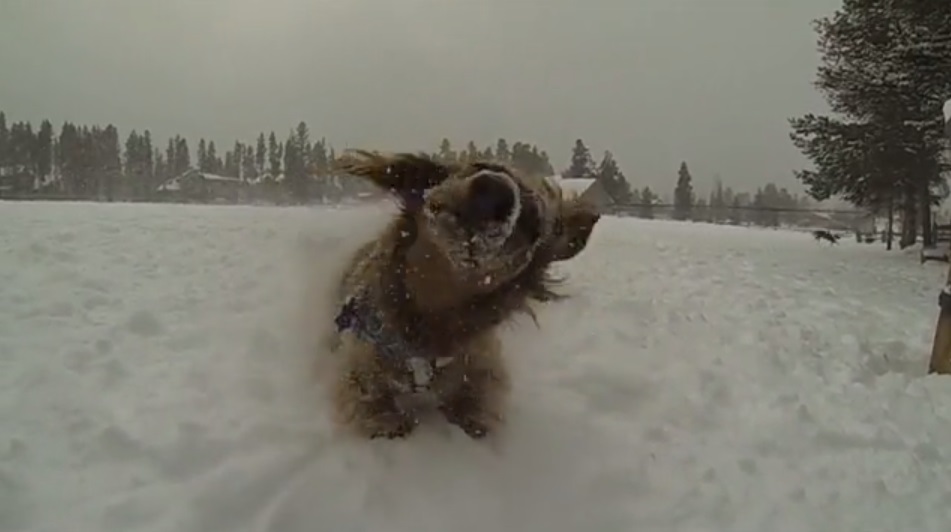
(822, 234)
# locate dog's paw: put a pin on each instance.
(473, 429)
(476, 423)
(390, 425)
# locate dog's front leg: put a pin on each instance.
(476, 402)
(372, 410)
(366, 402)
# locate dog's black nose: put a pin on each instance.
(491, 199)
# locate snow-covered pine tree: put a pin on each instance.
(886, 69)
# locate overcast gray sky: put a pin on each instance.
(654, 81)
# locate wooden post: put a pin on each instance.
(941, 347)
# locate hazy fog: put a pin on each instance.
(655, 81)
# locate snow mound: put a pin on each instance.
(158, 364)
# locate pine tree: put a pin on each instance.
(636, 197)
(183, 160)
(296, 154)
(275, 155)
(446, 154)
(229, 168)
(260, 156)
(171, 159)
(204, 164)
(472, 152)
(249, 169)
(134, 179)
(148, 163)
(717, 201)
(502, 152)
(886, 70)
(66, 160)
(162, 172)
(319, 158)
(304, 148)
(213, 166)
(613, 181)
(110, 161)
(43, 161)
(582, 165)
(4, 142)
(234, 168)
(648, 199)
(683, 194)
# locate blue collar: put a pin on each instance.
(367, 323)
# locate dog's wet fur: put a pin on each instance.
(469, 248)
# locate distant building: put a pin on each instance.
(193, 185)
(16, 180)
(589, 189)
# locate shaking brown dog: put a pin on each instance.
(420, 304)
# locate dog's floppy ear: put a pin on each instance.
(406, 175)
(573, 229)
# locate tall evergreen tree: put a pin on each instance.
(43, 158)
(472, 152)
(886, 70)
(718, 203)
(613, 181)
(297, 173)
(683, 194)
(213, 166)
(446, 154)
(149, 174)
(171, 158)
(249, 169)
(320, 160)
(4, 141)
(582, 165)
(648, 199)
(202, 156)
(260, 156)
(109, 161)
(275, 155)
(502, 152)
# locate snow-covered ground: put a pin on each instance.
(155, 375)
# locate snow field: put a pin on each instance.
(158, 364)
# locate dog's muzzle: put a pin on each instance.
(474, 231)
(492, 199)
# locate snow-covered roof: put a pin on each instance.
(215, 177)
(175, 183)
(575, 185)
(171, 185)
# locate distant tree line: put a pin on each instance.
(885, 72)
(90, 162)
(723, 205)
(93, 163)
